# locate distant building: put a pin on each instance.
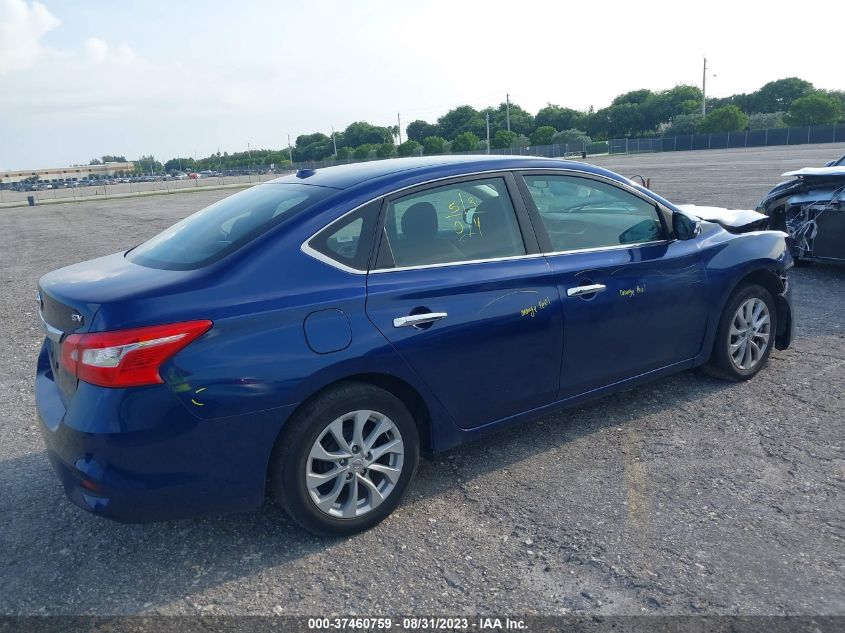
(58, 174)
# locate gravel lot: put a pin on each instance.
(687, 496)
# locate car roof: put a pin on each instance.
(345, 176)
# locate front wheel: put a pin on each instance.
(345, 459)
(745, 335)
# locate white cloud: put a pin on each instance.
(96, 50)
(22, 26)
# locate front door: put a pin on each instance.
(634, 301)
(472, 309)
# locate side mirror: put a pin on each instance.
(685, 227)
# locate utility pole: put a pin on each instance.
(488, 132)
(508, 110)
(399, 121)
(334, 143)
(290, 151)
(704, 89)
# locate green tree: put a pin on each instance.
(557, 117)
(727, 119)
(777, 96)
(361, 133)
(344, 153)
(363, 151)
(625, 119)
(636, 97)
(661, 107)
(465, 142)
(573, 137)
(409, 148)
(434, 145)
(522, 122)
(684, 124)
(459, 120)
(113, 159)
(766, 121)
(309, 147)
(385, 150)
(503, 139)
(815, 109)
(419, 130)
(543, 135)
(143, 165)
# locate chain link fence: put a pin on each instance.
(727, 140)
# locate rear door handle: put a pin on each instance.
(418, 319)
(579, 291)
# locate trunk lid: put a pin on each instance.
(70, 299)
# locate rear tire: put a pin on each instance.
(362, 443)
(745, 336)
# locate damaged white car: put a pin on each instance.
(810, 207)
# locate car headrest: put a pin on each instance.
(492, 214)
(420, 221)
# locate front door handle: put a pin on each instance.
(580, 291)
(418, 319)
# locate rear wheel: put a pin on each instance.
(745, 335)
(345, 460)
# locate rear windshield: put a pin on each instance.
(225, 226)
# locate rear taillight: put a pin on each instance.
(127, 358)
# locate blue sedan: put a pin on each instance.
(311, 337)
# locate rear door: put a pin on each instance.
(461, 291)
(634, 300)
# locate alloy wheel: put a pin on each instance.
(749, 334)
(354, 464)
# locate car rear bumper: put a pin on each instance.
(138, 455)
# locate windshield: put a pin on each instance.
(225, 226)
(840, 162)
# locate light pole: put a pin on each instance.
(508, 110)
(704, 89)
(487, 118)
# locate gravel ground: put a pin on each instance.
(687, 496)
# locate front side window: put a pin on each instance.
(580, 213)
(225, 226)
(457, 222)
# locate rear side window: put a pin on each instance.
(349, 240)
(580, 213)
(457, 222)
(225, 226)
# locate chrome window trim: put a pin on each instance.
(306, 248)
(462, 262)
(615, 247)
(311, 252)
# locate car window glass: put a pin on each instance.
(457, 222)
(225, 226)
(349, 239)
(580, 213)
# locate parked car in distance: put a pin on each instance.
(312, 336)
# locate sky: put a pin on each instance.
(85, 78)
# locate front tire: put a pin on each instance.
(746, 334)
(345, 459)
